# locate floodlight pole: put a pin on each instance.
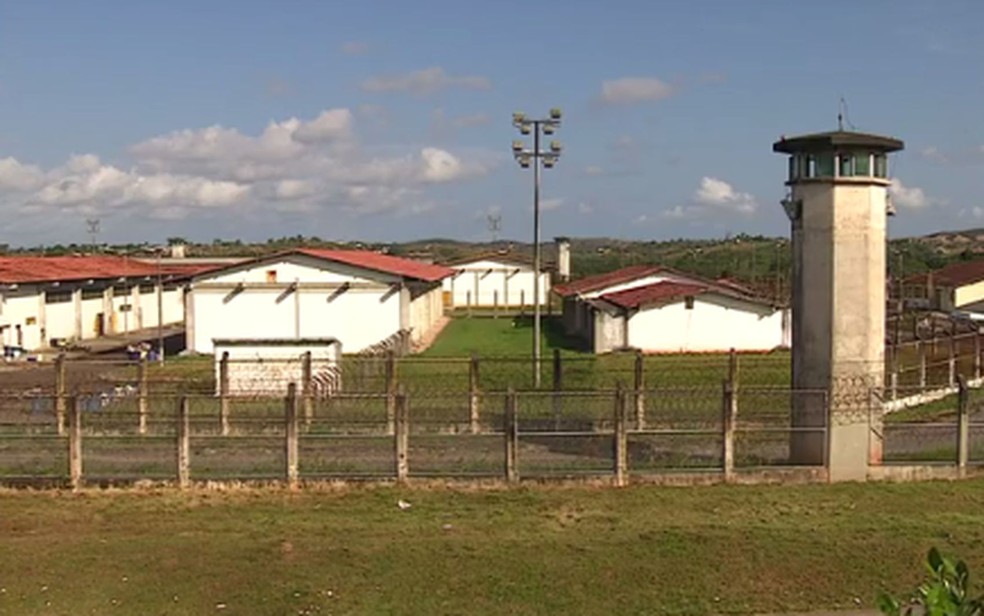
(536, 257)
(536, 157)
(160, 309)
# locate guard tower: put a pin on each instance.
(837, 203)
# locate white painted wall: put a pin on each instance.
(715, 323)
(266, 369)
(510, 284)
(20, 306)
(358, 317)
(425, 310)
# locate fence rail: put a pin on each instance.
(516, 435)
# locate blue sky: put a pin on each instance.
(391, 120)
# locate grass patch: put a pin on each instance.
(721, 549)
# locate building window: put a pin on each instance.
(846, 167)
(271, 276)
(92, 293)
(881, 166)
(147, 288)
(31, 321)
(688, 302)
(824, 165)
(57, 297)
(862, 164)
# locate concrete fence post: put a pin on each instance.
(729, 417)
(963, 426)
(894, 375)
(522, 302)
(558, 386)
(290, 436)
(224, 393)
(511, 430)
(402, 437)
(390, 392)
(495, 303)
(977, 355)
(60, 401)
(620, 438)
(307, 387)
(184, 444)
(468, 302)
(639, 391)
(474, 395)
(75, 443)
(951, 360)
(142, 391)
(921, 350)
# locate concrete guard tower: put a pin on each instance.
(837, 203)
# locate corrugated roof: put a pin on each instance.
(608, 279)
(379, 262)
(15, 270)
(953, 275)
(659, 292)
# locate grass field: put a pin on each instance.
(574, 550)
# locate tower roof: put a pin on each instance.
(833, 140)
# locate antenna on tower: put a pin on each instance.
(495, 224)
(92, 227)
(842, 116)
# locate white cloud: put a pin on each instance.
(909, 197)
(634, 90)
(355, 48)
(585, 208)
(290, 166)
(714, 197)
(548, 205)
(17, 176)
(934, 154)
(425, 81)
(719, 194)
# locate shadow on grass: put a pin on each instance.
(553, 333)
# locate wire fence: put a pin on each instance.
(506, 434)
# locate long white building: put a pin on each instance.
(358, 297)
(658, 310)
(48, 300)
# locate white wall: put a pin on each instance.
(267, 369)
(425, 310)
(512, 285)
(358, 317)
(715, 323)
(19, 307)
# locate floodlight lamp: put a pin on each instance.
(549, 161)
(555, 146)
(524, 161)
(548, 129)
(555, 113)
(517, 146)
(518, 117)
(524, 129)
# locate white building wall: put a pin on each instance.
(92, 308)
(21, 307)
(267, 369)
(713, 324)
(425, 310)
(358, 317)
(173, 304)
(484, 283)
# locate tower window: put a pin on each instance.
(881, 166)
(862, 164)
(824, 165)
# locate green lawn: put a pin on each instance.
(505, 336)
(573, 550)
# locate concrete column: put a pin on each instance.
(474, 396)
(563, 258)
(142, 391)
(307, 387)
(477, 294)
(224, 393)
(405, 300)
(729, 417)
(189, 308)
(75, 444)
(290, 436)
(60, 400)
(107, 311)
(184, 444)
(963, 427)
(42, 318)
(390, 392)
(77, 312)
(639, 391)
(402, 438)
(511, 430)
(136, 314)
(621, 445)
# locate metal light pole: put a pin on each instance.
(548, 158)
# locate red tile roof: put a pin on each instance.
(407, 268)
(660, 292)
(953, 275)
(608, 279)
(50, 269)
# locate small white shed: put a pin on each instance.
(494, 280)
(265, 367)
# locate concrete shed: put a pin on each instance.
(494, 280)
(360, 298)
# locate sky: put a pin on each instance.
(391, 121)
